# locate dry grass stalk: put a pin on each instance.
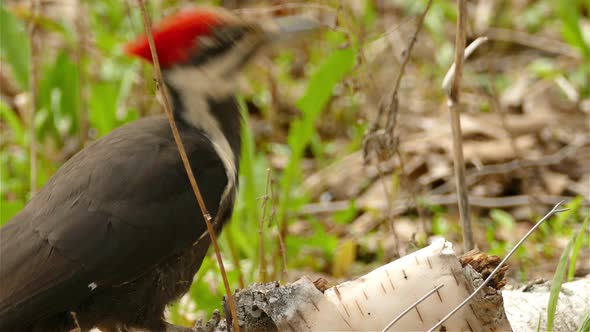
(168, 110)
(280, 267)
(455, 110)
(262, 271)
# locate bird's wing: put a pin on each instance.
(113, 211)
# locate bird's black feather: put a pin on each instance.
(112, 234)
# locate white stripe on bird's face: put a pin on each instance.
(196, 113)
(195, 86)
(214, 79)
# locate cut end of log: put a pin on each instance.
(321, 284)
(485, 264)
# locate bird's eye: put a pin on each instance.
(230, 34)
(207, 42)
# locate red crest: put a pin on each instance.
(175, 36)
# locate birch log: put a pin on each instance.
(371, 302)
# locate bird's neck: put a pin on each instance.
(210, 108)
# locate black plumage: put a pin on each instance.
(116, 234)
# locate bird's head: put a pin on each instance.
(201, 51)
(210, 46)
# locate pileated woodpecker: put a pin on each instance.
(116, 234)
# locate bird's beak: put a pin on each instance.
(288, 28)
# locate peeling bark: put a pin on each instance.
(372, 301)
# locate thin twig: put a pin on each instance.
(492, 274)
(390, 217)
(34, 87)
(283, 256)
(393, 105)
(393, 102)
(412, 306)
(278, 273)
(454, 106)
(262, 271)
(384, 142)
(161, 88)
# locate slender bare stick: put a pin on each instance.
(33, 86)
(393, 101)
(280, 267)
(415, 304)
(554, 210)
(459, 50)
(262, 271)
(454, 105)
(283, 257)
(382, 142)
(168, 110)
(392, 105)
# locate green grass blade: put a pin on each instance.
(14, 122)
(585, 323)
(245, 229)
(576, 250)
(556, 284)
(570, 26)
(316, 97)
(102, 106)
(14, 46)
